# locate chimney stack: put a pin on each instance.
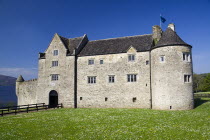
(157, 32)
(172, 26)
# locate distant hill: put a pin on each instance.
(7, 80)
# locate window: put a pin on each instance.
(54, 63)
(186, 57)
(106, 99)
(101, 61)
(134, 99)
(131, 77)
(131, 57)
(55, 52)
(187, 78)
(162, 58)
(111, 78)
(91, 79)
(80, 98)
(54, 77)
(90, 62)
(147, 62)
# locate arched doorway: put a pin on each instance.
(53, 99)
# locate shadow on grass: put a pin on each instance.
(199, 101)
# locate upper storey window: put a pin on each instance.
(91, 79)
(101, 61)
(55, 52)
(54, 77)
(186, 57)
(131, 57)
(111, 78)
(54, 63)
(187, 78)
(90, 62)
(131, 77)
(162, 58)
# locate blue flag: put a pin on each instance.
(162, 19)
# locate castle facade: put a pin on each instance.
(144, 71)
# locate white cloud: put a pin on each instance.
(27, 73)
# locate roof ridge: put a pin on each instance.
(121, 37)
(70, 38)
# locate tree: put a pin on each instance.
(201, 82)
(206, 83)
(197, 82)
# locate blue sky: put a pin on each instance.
(27, 26)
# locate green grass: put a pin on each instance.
(203, 92)
(109, 124)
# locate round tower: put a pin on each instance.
(171, 73)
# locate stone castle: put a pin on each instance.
(144, 71)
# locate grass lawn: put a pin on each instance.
(109, 124)
(203, 92)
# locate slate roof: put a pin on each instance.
(71, 43)
(117, 45)
(170, 38)
(20, 79)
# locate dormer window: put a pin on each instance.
(186, 56)
(55, 52)
(131, 57)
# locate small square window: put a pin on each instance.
(162, 58)
(91, 79)
(80, 98)
(90, 62)
(106, 99)
(101, 61)
(131, 57)
(186, 57)
(187, 78)
(134, 99)
(111, 78)
(55, 52)
(147, 62)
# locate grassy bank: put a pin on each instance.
(109, 124)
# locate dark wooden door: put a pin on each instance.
(53, 99)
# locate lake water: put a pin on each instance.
(7, 94)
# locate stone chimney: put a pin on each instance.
(157, 32)
(172, 26)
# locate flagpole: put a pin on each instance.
(160, 20)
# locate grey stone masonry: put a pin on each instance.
(145, 71)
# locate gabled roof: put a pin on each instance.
(71, 44)
(117, 45)
(170, 38)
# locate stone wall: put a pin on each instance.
(169, 91)
(26, 92)
(65, 85)
(119, 94)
